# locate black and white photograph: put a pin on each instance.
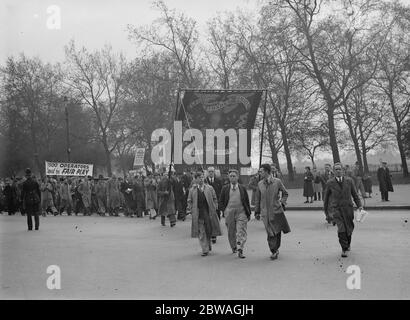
(224, 152)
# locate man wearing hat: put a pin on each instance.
(30, 197)
(385, 184)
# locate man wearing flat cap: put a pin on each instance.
(30, 197)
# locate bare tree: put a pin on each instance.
(99, 79)
(176, 34)
(332, 49)
(393, 78)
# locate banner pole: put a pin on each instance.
(172, 136)
(263, 127)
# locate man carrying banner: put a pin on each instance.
(234, 202)
(271, 208)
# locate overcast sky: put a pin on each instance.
(23, 23)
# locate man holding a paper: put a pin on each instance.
(339, 206)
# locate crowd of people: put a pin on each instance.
(174, 195)
(133, 196)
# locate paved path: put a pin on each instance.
(124, 258)
(399, 198)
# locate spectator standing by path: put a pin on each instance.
(10, 197)
(271, 208)
(358, 180)
(31, 196)
(317, 184)
(308, 185)
(385, 184)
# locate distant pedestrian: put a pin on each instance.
(166, 201)
(31, 196)
(317, 184)
(385, 184)
(308, 185)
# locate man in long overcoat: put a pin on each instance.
(166, 200)
(271, 208)
(114, 200)
(85, 191)
(385, 184)
(202, 204)
(339, 206)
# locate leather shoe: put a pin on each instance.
(274, 256)
(240, 254)
(344, 254)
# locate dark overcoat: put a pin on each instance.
(338, 203)
(384, 177)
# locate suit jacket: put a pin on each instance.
(338, 196)
(217, 185)
(384, 177)
(224, 199)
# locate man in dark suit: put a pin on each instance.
(234, 201)
(385, 185)
(30, 197)
(339, 206)
(215, 183)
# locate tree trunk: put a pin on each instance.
(398, 136)
(402, 154)
(287, 154)
(272, 145)
(332, 134)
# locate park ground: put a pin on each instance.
(137, 258)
